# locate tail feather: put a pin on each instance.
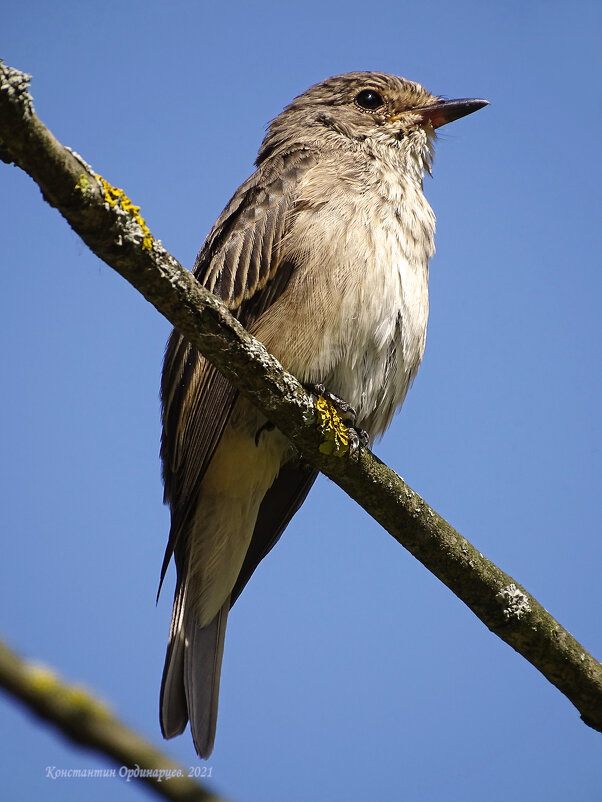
(191, 676)
(172, 703)
(202, 669)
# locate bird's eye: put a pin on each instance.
(369, 99)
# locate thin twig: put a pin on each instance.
(88, 722)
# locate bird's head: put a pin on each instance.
(365, 107)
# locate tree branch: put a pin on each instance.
(88, 722)
(112, 227)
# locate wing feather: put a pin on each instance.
(243, 262)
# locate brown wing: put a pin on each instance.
(280, 503)
(242, 262)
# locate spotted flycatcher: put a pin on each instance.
(322, 254)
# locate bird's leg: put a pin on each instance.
(268, 426)
(337, 420)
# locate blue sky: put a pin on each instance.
(350, 672)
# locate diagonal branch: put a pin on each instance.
(86, 721)
(112, 227)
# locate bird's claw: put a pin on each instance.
(356, 436)
(345, 410)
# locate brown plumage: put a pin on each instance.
(323, 255)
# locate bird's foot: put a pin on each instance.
(337, 421)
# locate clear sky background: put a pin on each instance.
(350, 673)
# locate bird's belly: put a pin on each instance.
(353, 318)
(380, 346)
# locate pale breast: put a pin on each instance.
(355, 311)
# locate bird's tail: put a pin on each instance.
(190, 684)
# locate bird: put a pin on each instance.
(322, 254)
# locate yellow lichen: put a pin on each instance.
(334, 430)
(83, 700)
(42, 678)
(117, 197)
(45, 682)
(83, 184)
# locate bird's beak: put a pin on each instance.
(446, 111)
